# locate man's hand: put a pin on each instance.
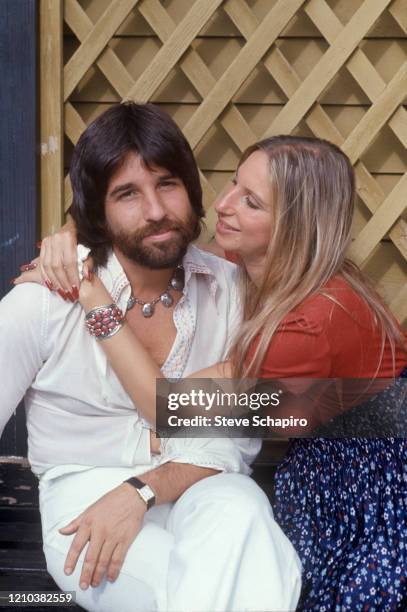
(110, 525)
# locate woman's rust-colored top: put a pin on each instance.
(323, 338)
(330, 338)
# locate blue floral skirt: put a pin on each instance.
(343, 505)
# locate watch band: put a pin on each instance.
(144, 490)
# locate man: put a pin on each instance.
(137, 206)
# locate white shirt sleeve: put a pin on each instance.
(22, 331)
(31, 320)
(221, 454)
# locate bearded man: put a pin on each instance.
(130, 522)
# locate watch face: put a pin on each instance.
(147, 492)
(144, 490)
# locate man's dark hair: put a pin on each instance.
(139, 128)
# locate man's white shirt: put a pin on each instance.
(78, 414)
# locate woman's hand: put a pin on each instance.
(155, 444)
(57, 265)
(59, 262)
(93, 293)
(30, 273)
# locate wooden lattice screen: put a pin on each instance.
(231, 72)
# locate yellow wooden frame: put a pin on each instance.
(60, 118)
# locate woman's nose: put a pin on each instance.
(227, 200)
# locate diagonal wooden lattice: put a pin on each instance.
(218, 104)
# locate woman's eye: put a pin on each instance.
(250, 203)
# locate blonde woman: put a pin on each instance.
(307, 312)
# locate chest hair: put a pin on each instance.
(157, 333)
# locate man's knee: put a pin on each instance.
(228, 488)
(220, 498)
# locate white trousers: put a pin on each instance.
(217, 548)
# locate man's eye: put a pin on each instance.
(127, 194)
(164, 184)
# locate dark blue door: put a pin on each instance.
(18, 161)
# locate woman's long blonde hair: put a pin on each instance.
(313, 189)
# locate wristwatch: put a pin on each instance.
(144, 490)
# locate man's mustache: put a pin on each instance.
(157, 227)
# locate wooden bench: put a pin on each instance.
(22, 561)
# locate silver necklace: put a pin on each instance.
(148, 308)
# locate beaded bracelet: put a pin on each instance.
(104, 321)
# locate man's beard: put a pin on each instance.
(156, 255)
